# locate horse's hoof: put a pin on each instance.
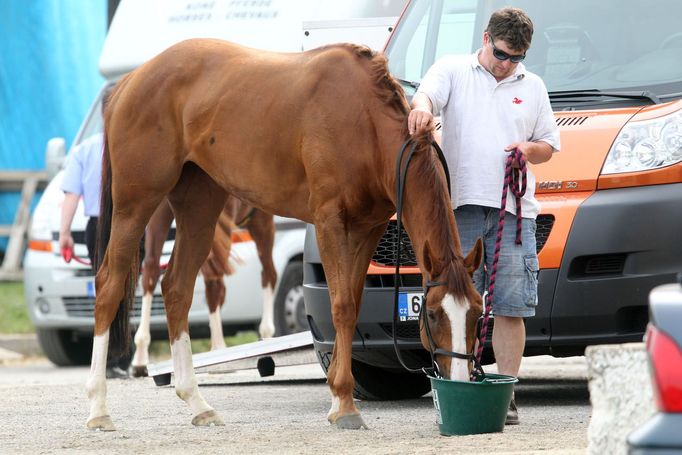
(208, 419)
(101, 423)
(140, 371)
(350, 422)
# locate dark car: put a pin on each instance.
(662, 434)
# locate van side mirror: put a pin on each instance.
(55, 151)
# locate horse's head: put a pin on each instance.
(453, 307)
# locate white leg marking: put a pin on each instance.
(185, 381)
(215, 323)
(267, 322)
(96, 384)
(142, 337)
(336, 403)
(457, 312)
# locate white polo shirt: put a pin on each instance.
(481, 117)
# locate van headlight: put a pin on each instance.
(647, 144)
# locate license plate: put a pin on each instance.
(409, 305)
(90, 289)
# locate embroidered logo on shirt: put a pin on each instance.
(517, 101)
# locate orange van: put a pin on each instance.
(610, 226)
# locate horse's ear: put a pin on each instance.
(474, 258)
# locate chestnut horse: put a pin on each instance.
(261, 227)
(313, 136)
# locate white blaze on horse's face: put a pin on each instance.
(457, 312)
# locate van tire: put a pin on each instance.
(378, 384)
(290, 316)
(65, 348)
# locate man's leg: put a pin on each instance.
(509, 339)
(515, 299)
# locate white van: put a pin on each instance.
(60, 296)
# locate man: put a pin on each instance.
(490, 105)
(82, 177)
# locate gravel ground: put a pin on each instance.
(43, 409)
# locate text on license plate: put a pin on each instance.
(409, 305)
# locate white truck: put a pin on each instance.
(60, 296)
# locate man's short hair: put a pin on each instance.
(513, 26)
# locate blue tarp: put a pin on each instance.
(49, 51)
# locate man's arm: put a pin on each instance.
(420, 119)
(68, 211)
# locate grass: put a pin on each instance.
(14, 319)
(13, 310)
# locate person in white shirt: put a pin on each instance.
(490, 105)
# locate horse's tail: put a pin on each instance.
(119, 334)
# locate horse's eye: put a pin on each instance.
(432, 315)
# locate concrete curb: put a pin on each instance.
(621, 395)
(21, 345)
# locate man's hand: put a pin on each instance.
(68, 211)
(65, 244)
(534, 152)
(420, 119)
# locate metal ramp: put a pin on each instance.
(161, 372)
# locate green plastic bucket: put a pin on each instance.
(472, 407)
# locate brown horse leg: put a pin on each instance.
(111, 285)
(262, 229)
(197, 201)
(345, 256)
(155, 235)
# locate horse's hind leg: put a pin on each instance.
(262, 229)
(156, 233)
(112, 280)
(345, 255)
(197, 202)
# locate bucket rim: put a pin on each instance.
(490, 379)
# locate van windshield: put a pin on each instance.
(606, 45)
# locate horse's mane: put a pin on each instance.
(386, 87)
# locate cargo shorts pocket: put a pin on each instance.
(532, 270)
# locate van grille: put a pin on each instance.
(570, 121)
(408, 330)
(83, 307)
(602, 264)
(384, 255)
(544, 225)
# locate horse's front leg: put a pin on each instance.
(143, 338)
(345, 256)
(155, 235)
(262, 230)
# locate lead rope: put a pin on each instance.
(516, 182)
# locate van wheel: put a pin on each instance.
(290, 315)
(65, 348)
(377, 384)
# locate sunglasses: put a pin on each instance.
(502, 55)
